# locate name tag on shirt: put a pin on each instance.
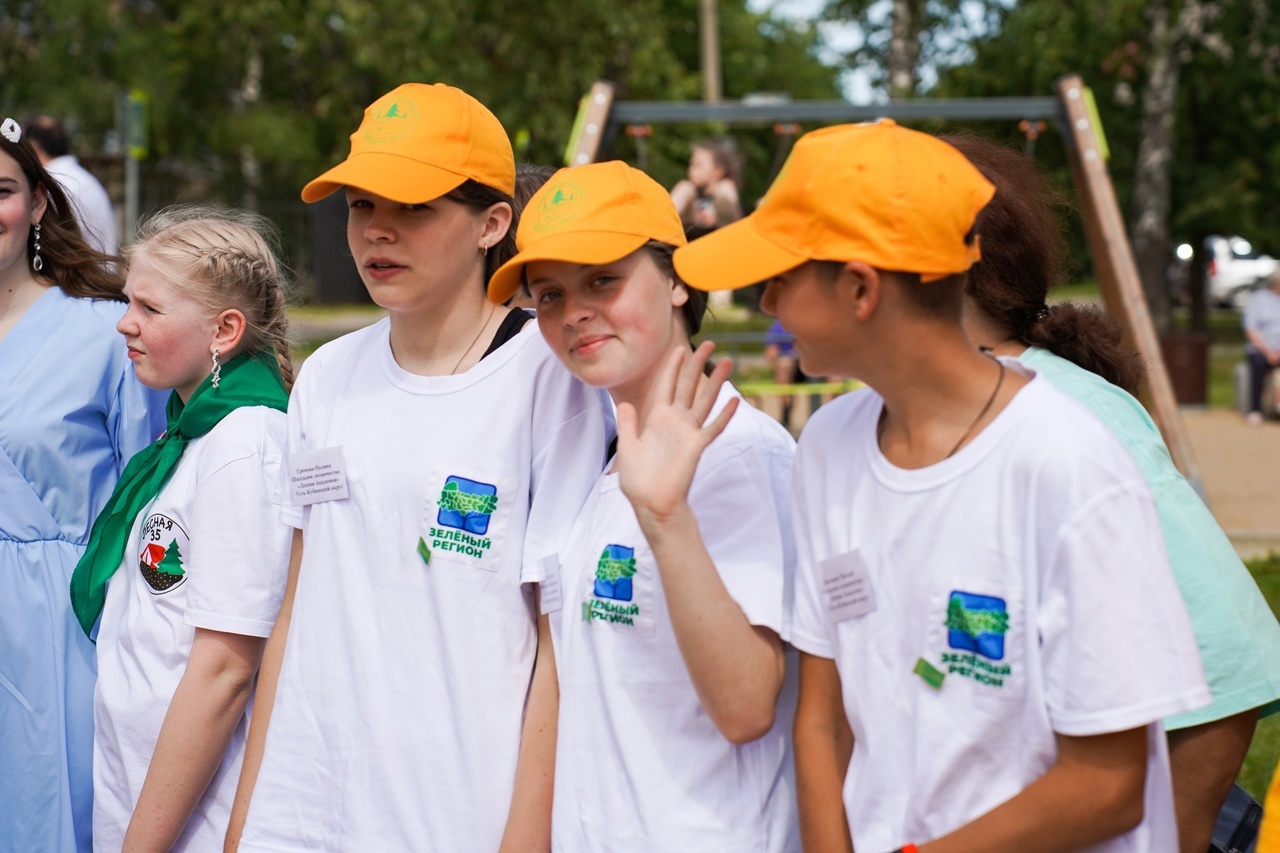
(846, 587)
(549, 598)
(317, 475)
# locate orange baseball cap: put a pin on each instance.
(420, 141)
(593, 214)
(895, 198)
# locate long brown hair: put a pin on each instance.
(1022, 252)
(69, 261)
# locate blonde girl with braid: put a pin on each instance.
(186, 566)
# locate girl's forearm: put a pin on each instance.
(823, 746)
(197, 728)
(1093, 792)
(736, 668)
(264, 702)
(529, 821)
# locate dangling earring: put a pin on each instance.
(484, 250)
(37, 262)
(217, 368)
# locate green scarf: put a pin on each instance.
(246, 380)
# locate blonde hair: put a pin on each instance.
(224, 258)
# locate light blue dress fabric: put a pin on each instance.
(1236, 631)
(71, 415)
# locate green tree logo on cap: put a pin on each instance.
(389, 120)
(560, 203)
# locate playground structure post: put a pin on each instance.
(1113, 262)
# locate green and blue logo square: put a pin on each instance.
(977, 623)
(467, 505)
(614, 571)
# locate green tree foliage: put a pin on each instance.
(1226, 163)
(930, 33)
(287, 80)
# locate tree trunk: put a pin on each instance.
(904, 48)
(1198, 284)
(250, 168)
(1151, 190)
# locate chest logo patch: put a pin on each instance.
(164, 553)
(614, 571)
(976, 627)
(463, 517)
(612, 589)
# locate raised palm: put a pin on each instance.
(657, 459)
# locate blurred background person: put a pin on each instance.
(708, 198)
(1262, 328)
(88, 197)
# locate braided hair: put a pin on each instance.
(224, 259)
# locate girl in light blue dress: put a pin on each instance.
(71, 415)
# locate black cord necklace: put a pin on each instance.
(982, 414)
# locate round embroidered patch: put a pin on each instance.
(560, 204)
(165, 548)
(391, 120)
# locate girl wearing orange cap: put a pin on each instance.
(433, 458)
(666, 602)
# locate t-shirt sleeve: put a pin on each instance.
(1117, 649)
(736, 503)
(239, 547)
(809, 630)
(572, 426)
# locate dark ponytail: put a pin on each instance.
(1092, 339)
(1022, 250)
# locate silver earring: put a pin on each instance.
(484, 250)
(217, 368)
(37, 262)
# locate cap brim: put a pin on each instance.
(576, 247)
(733, 256)
(388, 175)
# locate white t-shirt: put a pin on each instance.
(640, 766)
(208, 552)
(398, 712)
(88, 196)
(1028, 570)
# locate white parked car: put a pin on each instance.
(1235, 269)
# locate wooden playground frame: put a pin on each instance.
(601, 116)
